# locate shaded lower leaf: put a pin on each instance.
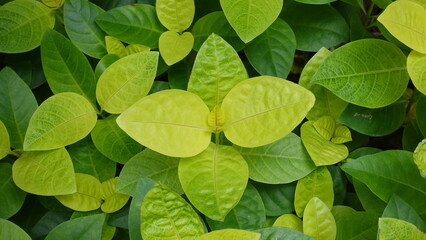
(398, 208)
(89, 227)
(359, 225)
(47, 222)
(341, 211)
(318, 221)
(369, 201)
(113, 201)
(274, 233)
(11, 197)
(277, 198)
(9, 230)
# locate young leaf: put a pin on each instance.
(65, 67)
(126, 81)
(405, 20)
(23, 25)
(61, 120)
(89, 227)
(217, 69)
(53, 3)
(11, 197)
(166, 215)
(104, 63)
(318, 221)
(230, 234)
(391, 228)
(289, 221)
(221, 173)
(276, 104)
(175, 47)
(370, 73)
(398, 208)
(175, 15)
(17, 105)
(136, 48)
(278, 198)
(358, 225)
(419, 157)
(79, 21)
(88, 196)
(113, 201)
(46, 173)
(282, 161)
(251, 18)
(4, 141)
(416, 65)
(9, 230)
(115, 46)
(273, 233)
(175, 115)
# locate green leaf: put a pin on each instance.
(370, 73)
(369, 201)
(175, 47)
(61, 120)
(23, 23)
(126, 81)
(113, 201)
(136, 48)
(272, 52)
(221, 172)
(341, 211)
(411, 136)
(17, 105)
(318, 221)
(152, 165)
(115, 46)
(53, 3)
(289, 221)
(339, 184)
(166, 215)
(421, 115)
(47, 222)
(278, 198)
(104, 63)
(175, 15)
(390, 172)
(405, 20)
(416, 65)
(282, 161)
(11, 197)
(88, 196)
(358, 225)
(217, 69)
(89, 227)
(315, 1)
(79, 21)
(277, 104)
(317, 184)
(45, 173)
(113, 142)
(65, 67)
(133, 24)
(393, 229)
(230, 234)
(251, 18)
(176, 115)
(398, 208)
(419, 157)
(9, 230)
(178, 75)
(325, 126)
(282, 233)
(4, 141)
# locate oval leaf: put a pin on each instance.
(89, 227)
(113, 201)
(115, 46)
(274, 233)
(9, 230)
(175, 15)
(419, 157)
(318, 221)
(289, 221)
(416, 65)
(358, 225)
(11, 197)
(4, 141)
(175, 47)
(398, 208)
(230, 234)
(391, 228)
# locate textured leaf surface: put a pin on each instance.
(370, 73)
(113, 201)
(104, 63)
(318, 221)
(176, 115)
(79, 21)
(230, 234)
(277, 104)
(416, 65)
(4, 141)
(115, 46)
(165, 214)
(221, 172)
(421, 115)
(61, 120)
(175, 15)
(391, 228)
(175, 47)
(126, 81)
(278, 198)
(11, 197)
(398, 208)
(45, 173)
(65, 67)
(9, 230)
(22, 25)
(419, 157)
(273, 233)
(358, 225)
(289, 221)
(282, 161)
(251, 18)
(89, 227)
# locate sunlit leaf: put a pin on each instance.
(416, 65)
(230, 234)
(175, 15)
(419, 157)
(89, 227)
(4, 141)
(318, 221)
(53, 3)
(175, 47)
(289, 221)
(136, 48)
(115, 46)
(9, 230)
(113, 201)
(398, 208)
(393, 229)
(11, 197)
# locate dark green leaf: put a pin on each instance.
(178, 75)
(80, 228)
(357, 226)
(398, 208)
(276, 233)
(11, 197)
(46, 223)
(420, 114)
(277, 198)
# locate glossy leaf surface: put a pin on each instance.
(230, 234)
(289, 221)
(113, 201)
(175, 47)
(318, 221)
(115, 46)
(9, 230)
(416, 65)
(175, 15)
(89, 227)
(11, 197)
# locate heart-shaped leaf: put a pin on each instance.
(175, 47)
(113, 201)
(175, 15)
(318, 221)
(416, 65)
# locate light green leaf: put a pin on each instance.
(175, 115)
(325, 126)
(79, 21)
(419, 157)
(317, 184)
(9, 230)
(342, 134)
(274, 233)
(217, 69)
(136, 23)
(341, 211)
(152, 165)
(45, 173)
(395, 229)
(416, 65)
(4, 141)
(276, 104)
(318, 221)
(88, 196)
(221, 173)
(104, 63)
(89, 227)
(113, 201)
(115, 46)
(405, 20)
(370, 73)
(53, 3)
(251, 18)
(230, 234)
(23, 23)
(282, 161)
(17, 105)
(326, 103)
(166, 215)
(398, 208)
(61, 120)
(136, 48)
(65, 67)
(290, 221)
(175, 47)
(315, 1)
(11, 197)
(358, 225)
(126, 81)
(175, 15)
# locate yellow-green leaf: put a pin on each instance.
(406, 21)
(53, 3)
(342, 134)
(275, 104)
(289, 221)
(419, 156)
(136, 48)
(11, 231)
(325, 126)
(396, 229)
(115, 46)
(61, 120)
(87, 197)
(175, 47)
(318, 221)
(126, 81)
(4, 141)
(416, 66)
(113, 201)
(230, 234)
(175, 15)
(171, 122)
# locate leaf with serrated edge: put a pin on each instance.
(4, 141)
(175, 15)
(221, 172)
(61, 120)
(46, 173)
(318, 221)
(115, 46)
(289, 221)
(9, 230)
(11, 197)
(230, 234)
(392, 229)
(113, 201)
(175, 47)
(276, 104)
(88, 227)
(416, 65)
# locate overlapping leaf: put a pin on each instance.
(11, 197)
(391, 228)
(4, 141)
(9, 230)
(174, 47)
(175, 15)
(318, 221)
(277, 198)
(89, 227)
(416, 65)
(289, 221)
(358, 225)
(398, 208)
(230, 234)
(113, 201)
(273, 233)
